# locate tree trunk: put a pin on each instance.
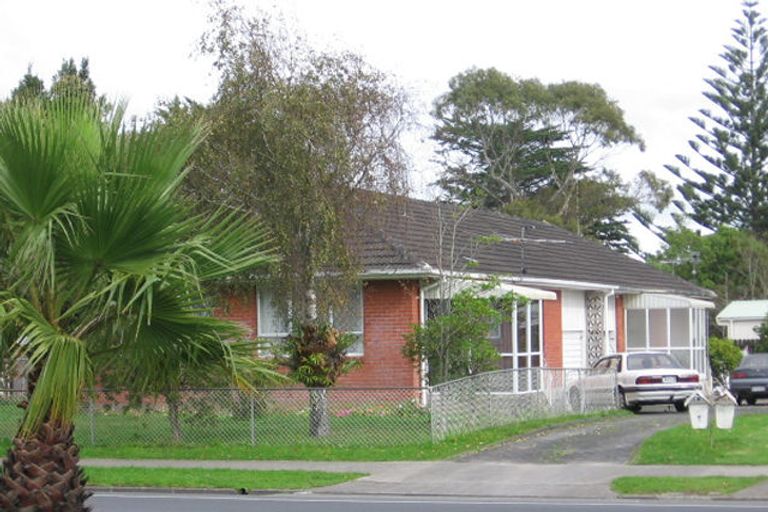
(42, 473)
(319, 422)
(174, 417)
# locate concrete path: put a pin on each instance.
(452, 478)
(577, 461)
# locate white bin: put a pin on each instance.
(699, 414)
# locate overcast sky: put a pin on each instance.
(650, 55)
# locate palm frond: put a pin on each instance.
(231, 241)
(36, 191)
(101, 257)
(183, 341)
(66, 368)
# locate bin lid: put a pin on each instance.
(697, 398)
(724, 397)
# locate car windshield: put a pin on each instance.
(755, 361)
(651, 361)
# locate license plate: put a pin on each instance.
(668, 380)
(758, 388)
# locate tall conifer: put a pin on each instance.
(728, 184)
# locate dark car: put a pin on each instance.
(750, 380)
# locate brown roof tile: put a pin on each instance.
(407, 237)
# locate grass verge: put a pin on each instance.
(701, 486)
(195, 478)
(746, 443)
(472, 442)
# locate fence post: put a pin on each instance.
(91, 419)
(253, 420)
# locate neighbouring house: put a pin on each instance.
(584, 300)
(741, 320)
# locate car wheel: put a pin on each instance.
(574, 399)
(680, 406)
(626, 405)
(751, 400)
(623, 400)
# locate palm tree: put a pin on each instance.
(103, 260)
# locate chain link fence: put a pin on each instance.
(229, 416)
(336, 416)
(507, 396)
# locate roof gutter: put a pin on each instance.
(424, 270)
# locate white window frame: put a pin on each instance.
(528, 354)
(260, 324)
(356, 350)
(697, 336)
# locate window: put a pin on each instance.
(657, 328)
(273, 322)
(636, 329)
(680, 331)
(651, 361)
(520, 345)
(349, 319)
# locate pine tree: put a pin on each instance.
(71, 80)
(30, 86)
(730, 186)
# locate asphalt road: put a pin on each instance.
(131, 502)
(612, 440)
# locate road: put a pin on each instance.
(131, 502)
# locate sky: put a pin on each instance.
(651, 56)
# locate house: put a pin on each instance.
(584, 300)
(742, 318)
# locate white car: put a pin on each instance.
(648, 378)
(643, 378)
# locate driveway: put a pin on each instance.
(612, 440)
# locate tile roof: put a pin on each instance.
(488, 242)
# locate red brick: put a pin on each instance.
(621, 344)
(391, 308)
(241, 308)
(553, 331)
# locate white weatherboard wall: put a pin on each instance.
(744, 329)
(574, 329)
(610, 325)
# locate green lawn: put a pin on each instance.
(746, 443)
(348, 452)
(194, 478)
(382, 427)
(706, 485)
(414, 451)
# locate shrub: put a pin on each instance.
(724, 357)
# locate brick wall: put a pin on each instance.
(391, 308)
(621, 344)
(241, 308)
(553, 331)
